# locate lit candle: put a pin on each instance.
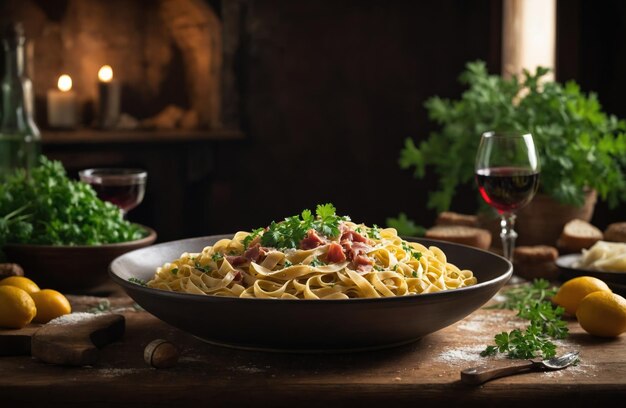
(109, 92)
(62, 104)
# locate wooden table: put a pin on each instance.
(425, 373)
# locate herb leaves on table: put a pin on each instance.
(545, 323)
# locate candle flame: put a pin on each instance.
(105, 74)
(64, 83)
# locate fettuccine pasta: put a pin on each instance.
(325, 258)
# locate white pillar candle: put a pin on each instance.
(109, 93)
(62, 104)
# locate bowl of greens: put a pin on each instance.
(59, 231)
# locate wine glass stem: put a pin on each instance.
(508, 235)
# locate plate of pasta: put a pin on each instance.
(312, 282)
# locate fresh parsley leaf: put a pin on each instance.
(217, 256)
(414, 274)
(405, 226)
(287, 264)
(255, 233)
(174, 271)
(545, 323)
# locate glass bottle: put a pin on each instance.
(20, 139)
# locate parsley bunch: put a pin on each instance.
(579, 145)
(46, 207)
(289, 233)
(545, 323)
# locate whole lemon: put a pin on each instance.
(17, 308)
(50, 305)
(602, 314)
(21, 282)
(574, 290)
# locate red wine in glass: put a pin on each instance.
(123, 187)
(126, 197)
(507, 188)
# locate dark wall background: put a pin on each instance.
(591, 49)
(330, 90)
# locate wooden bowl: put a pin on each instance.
(309, 325)
(66, 267)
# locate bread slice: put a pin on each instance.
(532, 262)
(476, 237)
(578, 235)
(615, 232)
(452, 218)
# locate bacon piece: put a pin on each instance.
(311, 240)
(363, 263)
(237, 260)
(352, 236)
(255, 253)
(335, 253)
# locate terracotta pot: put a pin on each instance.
(541, 222)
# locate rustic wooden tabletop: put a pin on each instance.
(425, 373)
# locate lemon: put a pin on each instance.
(17, 308)
(574, 290)
(602, 314)
(21, 282)
(50, 305)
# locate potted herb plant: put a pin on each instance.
(582, 149)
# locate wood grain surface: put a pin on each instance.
(425, 373)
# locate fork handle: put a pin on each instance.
(481, 374)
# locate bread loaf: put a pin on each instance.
(471, 236)
(452, 218)
(578, 235)
(615, 232)
(532, 262)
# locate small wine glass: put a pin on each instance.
(507, 173)
(120, 186)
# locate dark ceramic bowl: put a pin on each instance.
(65, 267)
(309, 325)
(615, 280)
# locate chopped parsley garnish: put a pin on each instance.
(414, 274)
(255, 233)
(378, 268)
(174, 271)
(216, 257)
(137, 281)
(287, 264)
(316, 262)
(407, 248)
(289, 233)
(203, 269)
(374, 232)
(358, 229)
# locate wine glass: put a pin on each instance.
(507, 173)
(122, 187)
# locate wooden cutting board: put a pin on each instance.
(69, 343)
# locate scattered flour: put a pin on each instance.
(117, 372)
(248, 369)
(72, 318)
(461, 355)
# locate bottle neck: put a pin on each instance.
(16, 88)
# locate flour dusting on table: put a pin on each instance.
(72, 318)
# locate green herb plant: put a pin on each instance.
(46, 207)
(289, 233)
(545, 323)
(580, 147)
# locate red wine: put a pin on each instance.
(125, 196)
(507, 188)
